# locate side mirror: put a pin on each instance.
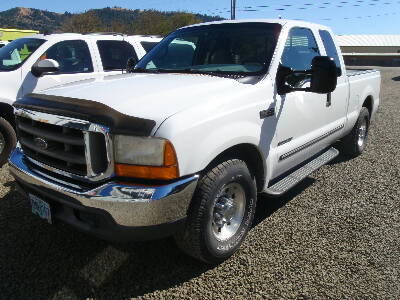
(130, 65)
(324, 75)
(45, 66)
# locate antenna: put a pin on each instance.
(233, 9)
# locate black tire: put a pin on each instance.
(198, 238)
(8, 140)
(350, 145)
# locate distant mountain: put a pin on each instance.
(30, 18)
(48, 22)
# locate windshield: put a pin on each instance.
(235, 48)
(13, 55)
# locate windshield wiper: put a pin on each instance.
(143, 70)
(192, 71)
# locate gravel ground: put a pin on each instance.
(336, 236)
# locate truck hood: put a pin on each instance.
(149, 96)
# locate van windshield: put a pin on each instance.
(233, 48)
(14, 54)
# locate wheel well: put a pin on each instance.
(7, 112)
(368, 103)
(250, 155)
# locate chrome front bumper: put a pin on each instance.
(128, 204)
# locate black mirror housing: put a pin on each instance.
(45, 66)
(130, 65)
(324, 75)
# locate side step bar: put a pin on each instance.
(298, 175)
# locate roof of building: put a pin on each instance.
(373, 40)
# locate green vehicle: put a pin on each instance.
(7, 34)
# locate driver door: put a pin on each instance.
(75, 62)
(301, 115)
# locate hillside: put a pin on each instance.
(45, 21)
(29, 18)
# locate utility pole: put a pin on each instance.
(233, 9)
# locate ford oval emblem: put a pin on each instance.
(41, 143)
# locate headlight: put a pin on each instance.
(139, 151)
(150, 158)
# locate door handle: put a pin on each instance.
(328, 99)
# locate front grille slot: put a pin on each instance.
(64, 148)
(67, 135)
(98, 152)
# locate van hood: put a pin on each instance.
(149, 96)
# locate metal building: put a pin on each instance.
(370, 50)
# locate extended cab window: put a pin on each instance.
(73, 56)
(330, 47)
(115, 54)
(300, 49)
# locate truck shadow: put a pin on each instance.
(42, 261)
(267, 206)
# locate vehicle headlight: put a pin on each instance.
(145, 157)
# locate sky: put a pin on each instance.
(343, 16)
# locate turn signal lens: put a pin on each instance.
(147, 172)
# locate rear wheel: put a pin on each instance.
(355, 142)
(220, 214)
(8, 140)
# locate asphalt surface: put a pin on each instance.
(336, 236)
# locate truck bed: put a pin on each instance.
(363, 83)
(355, 72)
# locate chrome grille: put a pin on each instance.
(64, 145)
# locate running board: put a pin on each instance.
(298, 175)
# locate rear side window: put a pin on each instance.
(330, 47)
(300, 49)
(148, 45)
(115, 54)
(73, 56)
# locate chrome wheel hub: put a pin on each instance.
(2, 143)
(362, 134)
(228, 211)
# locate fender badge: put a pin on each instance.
(41, 143)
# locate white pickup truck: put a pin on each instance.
(213, 115)
(41, 61)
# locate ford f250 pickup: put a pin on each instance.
(212, 116)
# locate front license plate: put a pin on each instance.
(40, 208)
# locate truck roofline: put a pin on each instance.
(283, 22)
(89, 36)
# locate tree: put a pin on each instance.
(154, 22)
(178, 20)
(83, 23)
(150, 22)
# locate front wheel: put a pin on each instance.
(221, 213)
(8, 140)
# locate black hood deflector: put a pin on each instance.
(88, 110)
